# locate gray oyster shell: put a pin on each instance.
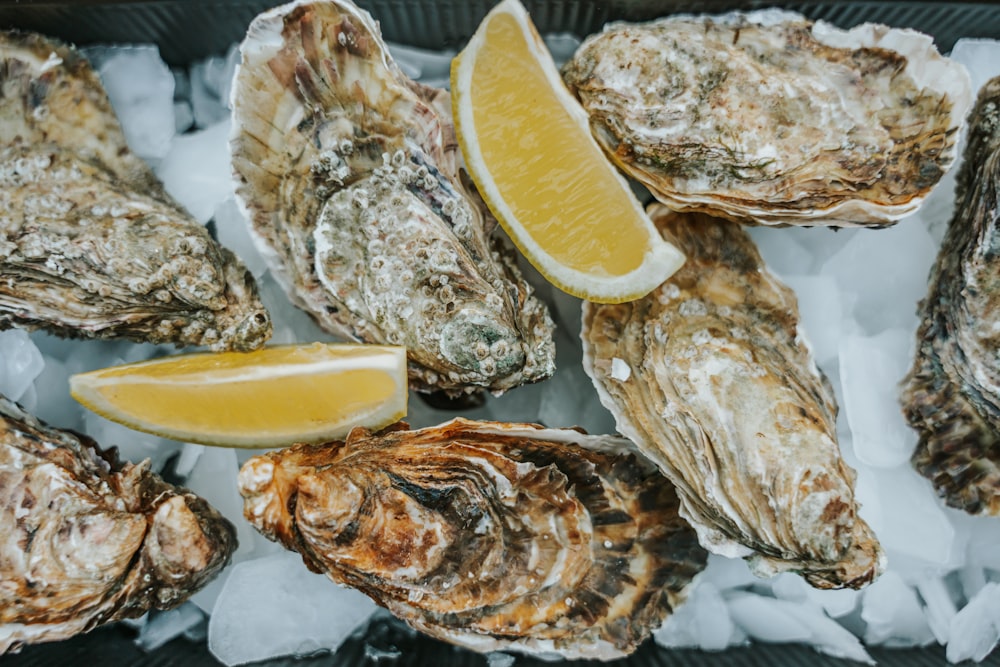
(952, 394)
(766, 117)
(489, 535)
(85, 540)
(90, 244)
(351, 177)
(711, 377)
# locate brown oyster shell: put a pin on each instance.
(492, 536)
(710, 376)
(952, 394)
(85, 540)
(768, 118)
(90, 244)
(350, 174)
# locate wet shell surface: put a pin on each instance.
(350, 174)
(952, 394)
(766, 117)
(90, 244)
(489, 535)
(85, 540)
(710, 376)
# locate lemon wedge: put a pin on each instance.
(527, 144)
(268, 398)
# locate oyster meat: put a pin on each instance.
(710, 376)
(90, 243)
(85, 540)
(770, 118)
(952, 394)
(489, 535)
(351, 176)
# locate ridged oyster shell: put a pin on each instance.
(350, 173)
(85, 540)
(492, 536)
(90, 244)
(709, 375)
(952, 394)
(767, 117)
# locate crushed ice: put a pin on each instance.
(857, 290)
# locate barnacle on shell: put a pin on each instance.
(488, 535)
(90, 244)
(352, 178)
(768, 118)
(85, 540)
(711, 378)
(952, 394)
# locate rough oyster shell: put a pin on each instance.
(767, 117)
(350, 175)
(710, 377)
(952, 394)
(90, 244)
(86, 541)
(488, 535)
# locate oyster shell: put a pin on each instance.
(710, 376)
(767, 117)
(952, 394)
(90, 244)
(492, 536)
(86, 541)
(350, 173)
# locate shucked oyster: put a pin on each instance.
(710, 377)
(351, 176)
(771, 118)
(86, 541)
(952, 394)
(488, 535)
(90, 244)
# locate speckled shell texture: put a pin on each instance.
(351, 177)
(768, 118)
(952, 394)
(85, 540)
(90, 244)
(710, 376)
(489, 535)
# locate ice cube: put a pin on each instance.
(274, 606)
(569, 397)
(893, 613)
(20, 363)
(133, 446)
(496, 659)
(701, 622)
(771, 620)
(837, 603)
(728, 573)
(186, 460)
(870, 370)
(196, 170)
(820, 313)
(233, 231)
(163, 626)
(55, 405)
(561, 45)
(782, 253)
(183, 117)
(939, 607)
(211, 82)
(905, 513)
(886, 270)
(975, 630)
(141, 89)
(981, 57)
(291, 324)
(421, 64)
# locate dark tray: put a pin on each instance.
(188, 30)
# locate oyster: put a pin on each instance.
(709, 375)
(952, 394)
(90, 244)
(488, 535)
(86, 541)
(767, 117)
(352, 178)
